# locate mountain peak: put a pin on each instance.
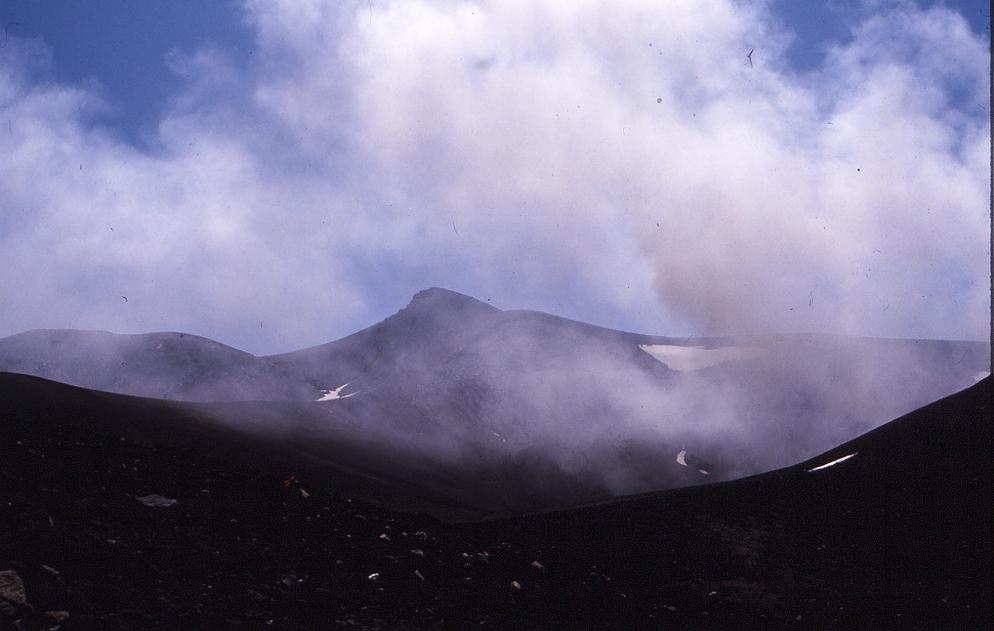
(439, 299)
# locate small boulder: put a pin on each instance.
(12, 595)
(156, 501)
(12, 588)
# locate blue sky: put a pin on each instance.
(233, 150)
(123, 47)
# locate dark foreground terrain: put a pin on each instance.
(897, 537)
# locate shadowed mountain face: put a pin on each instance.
(896, 536)
(434, 326)
(545, 411)
(505, 411)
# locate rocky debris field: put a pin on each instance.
(103, 532)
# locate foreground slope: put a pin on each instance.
(896, 537)
(339, 455)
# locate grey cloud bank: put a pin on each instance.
(532, 152)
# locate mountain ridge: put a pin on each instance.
(581, 412)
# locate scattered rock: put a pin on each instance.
(156, 501)
(537, 566)
(12, 588)
(515, 584)
(12, 595)
(57, 616)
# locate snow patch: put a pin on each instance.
(681, 459)
(333, 395)
(690, 358)
(832, 463)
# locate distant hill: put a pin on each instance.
(163, 365)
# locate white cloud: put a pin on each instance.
(627, 153)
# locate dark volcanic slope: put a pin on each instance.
(897, 537)
(162, 365)
(338, 455)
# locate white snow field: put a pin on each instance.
(690, 358)
(333, 395)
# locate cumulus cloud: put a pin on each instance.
(530, 151)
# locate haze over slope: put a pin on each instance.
(582, 402)
(522, 408)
